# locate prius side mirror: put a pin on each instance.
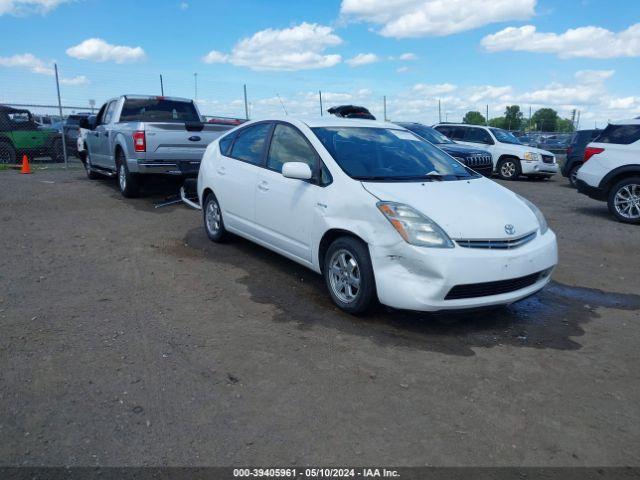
(297, 170)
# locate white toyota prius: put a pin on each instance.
(382, 214)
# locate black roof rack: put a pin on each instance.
(351, 111)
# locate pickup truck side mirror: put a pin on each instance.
(88, 123)
(297, 170)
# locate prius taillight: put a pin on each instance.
(139, 141)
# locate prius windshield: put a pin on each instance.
(386, 154)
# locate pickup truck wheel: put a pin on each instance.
(509, 169)
(128, 182)
(624, 200)
(91, 175)
(348, 274)
(213, 221)
(7, 154)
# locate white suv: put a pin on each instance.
(611, 170)
(510, 158)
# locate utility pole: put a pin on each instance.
(439, 112)
(64, 143)
(320, 96)
(246, 105)
(487, 115)
(578, 121)
(161, 86)
(384, 104)
(529, 117)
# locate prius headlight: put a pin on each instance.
(536, 211)
(532, 157)
(414, 227)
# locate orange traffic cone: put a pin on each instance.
(25, 165)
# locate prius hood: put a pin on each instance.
(465, 209)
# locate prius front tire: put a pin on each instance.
(213, 221)
(349, 276)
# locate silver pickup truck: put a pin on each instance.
(135, 135)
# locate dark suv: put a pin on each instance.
(478, 160)
(575, 153)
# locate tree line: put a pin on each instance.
(543, 120)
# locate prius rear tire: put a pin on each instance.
(348, 274)
(213, 221)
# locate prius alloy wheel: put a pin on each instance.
(213, 222)
(349, 275)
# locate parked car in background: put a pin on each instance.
(380, 212)
(611, 170)
(475, 158)
(20, 134)
(46, 120)
(510, 158)
(137, 135)
(71, 129)
(575, 153)
(81, 141)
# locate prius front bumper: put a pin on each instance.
(423, 279)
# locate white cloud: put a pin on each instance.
(363, 59)
(296, 48)
(586, 42)
(215, 56)
(29, 61)
(402, 69)
(593, 76)
(97, 50)
(408, 57)
(420, 18)
(39, 66)
(434, 89)
(184, 5)
(79, 80)
(26, 7)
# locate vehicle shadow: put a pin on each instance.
(550, 319)
(599, 210)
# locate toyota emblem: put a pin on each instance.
(509, 229)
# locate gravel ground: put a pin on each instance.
(130, 339)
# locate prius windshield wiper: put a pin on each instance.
(366, 178)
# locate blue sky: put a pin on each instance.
(465, 53)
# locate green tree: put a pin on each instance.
(498, 122)
(474, 118)
(545, 120)
(565, 125)
(513, 117)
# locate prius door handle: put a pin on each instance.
(264, 186)
(221, 171)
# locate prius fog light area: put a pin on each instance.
(381, 213)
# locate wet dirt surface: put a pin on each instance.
(130, 339)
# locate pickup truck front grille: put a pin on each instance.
(506, 244)
(547, 158)
(486, 289)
